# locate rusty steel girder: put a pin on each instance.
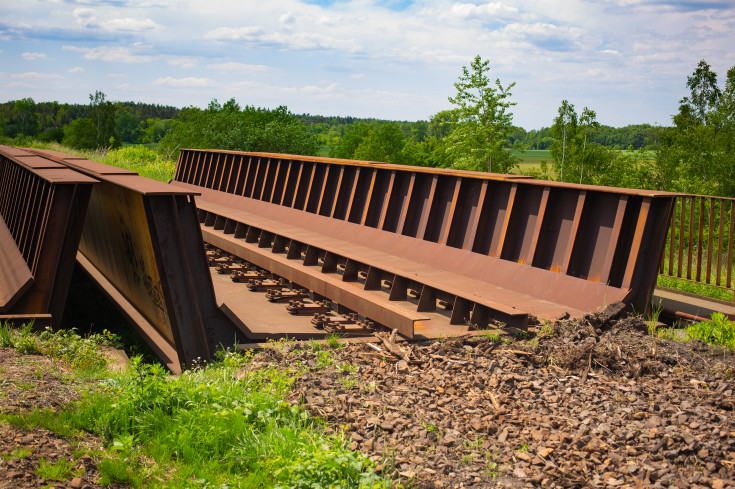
(42, 208)
(487, 246)
(142, 244)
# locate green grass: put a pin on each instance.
(695, 288)
(59, 471)
(219, 426)
(82, 353)
(533, 156)
(718, 330)
(217, 429)
(530, 160)
(139, 158)
(17, 453)
(59, 423)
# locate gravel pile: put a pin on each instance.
(596, 402)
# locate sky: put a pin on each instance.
(627, 60)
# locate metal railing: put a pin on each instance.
(699, 246)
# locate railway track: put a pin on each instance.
(245, 247)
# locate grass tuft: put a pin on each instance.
(17, 453)
(62, 470)
(719, 330)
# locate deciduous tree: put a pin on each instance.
(564, 130)
(479, 140)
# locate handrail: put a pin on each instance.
(699, 245)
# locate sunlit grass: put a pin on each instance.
(220, 425)
(138, 158)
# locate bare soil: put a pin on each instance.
(29, 382)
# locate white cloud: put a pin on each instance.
(319, 90)
(128, 24)
(492, 11)
(85, 17)
(32, 75)
(20, 85)
(287, 18)
(380, 61)
(33, 56)
(183, 61)
(115, 54)
(280, 40)
(88, 17)
(188, 82)
(239, 67)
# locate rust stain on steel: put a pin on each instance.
(687, 241)
(116, 240)
(162, 346)
(42, 208)
(15, 277)
(611, 236)
(142, 244)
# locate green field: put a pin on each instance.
(531, 159)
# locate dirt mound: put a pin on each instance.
(622, 346)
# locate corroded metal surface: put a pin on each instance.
(42, 208)
(427, 252)
(490, 246)
(142, 237)
(700, 241)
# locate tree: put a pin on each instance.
(588, 123)
(384, 142)
(484, 122)
(695, 156)
(704, 91)
(25, 117)
(241, 129)
(154, 129)
(127, 126)
(373, 141)
(564, 130)
(102, 115)
(80, 134)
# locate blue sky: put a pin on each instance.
(393, 59)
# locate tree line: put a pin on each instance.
(101, 123)
(692, 155)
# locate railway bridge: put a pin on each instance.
(243, 247)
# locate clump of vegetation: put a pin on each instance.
(216, 426)
(59, 471)
(83, 353)
(719, 330)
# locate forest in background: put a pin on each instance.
(693, 155)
